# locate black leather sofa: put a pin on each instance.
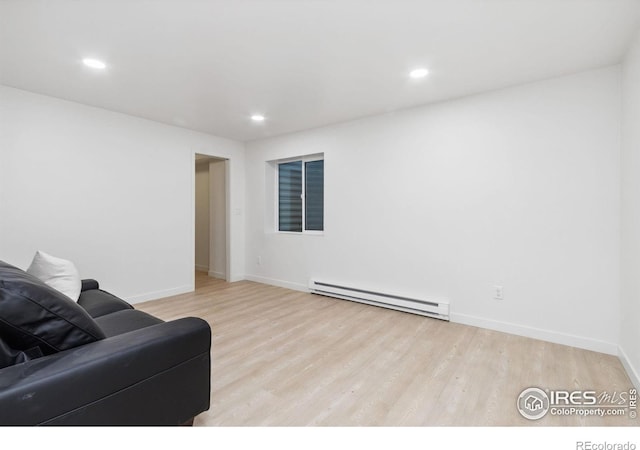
(95, 362)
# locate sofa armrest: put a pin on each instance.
(89, 284)
(99, 303)
(159, 375)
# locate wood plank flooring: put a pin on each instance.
(286, 358)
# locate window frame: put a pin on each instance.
(303, 160)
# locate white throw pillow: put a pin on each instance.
(58, 273)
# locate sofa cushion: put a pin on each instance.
(36, 316)
(124, 321)
(99, 303)
(9, 356)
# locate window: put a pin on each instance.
(301, 195)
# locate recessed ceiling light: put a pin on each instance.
(419, 73)
(257, 118)
(94, 63)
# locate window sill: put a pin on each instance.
(300, 233)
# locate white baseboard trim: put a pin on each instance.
(219, 275)
(200, 268)
(631, 371)
(505, 327)
(279, 283)
(537, 333)
(158, 294)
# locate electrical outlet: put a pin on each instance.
(259, 260)
(498, 292)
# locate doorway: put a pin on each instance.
(211, 216)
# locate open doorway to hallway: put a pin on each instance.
(211, 249)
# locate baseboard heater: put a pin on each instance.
(438, 309)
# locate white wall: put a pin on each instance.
(218, 219)
(630, 303)
(517, 187)
(111, 192)
(202, 216)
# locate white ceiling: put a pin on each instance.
(209, 64)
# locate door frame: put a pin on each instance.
(227, 187)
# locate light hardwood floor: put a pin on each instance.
(286, 358)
